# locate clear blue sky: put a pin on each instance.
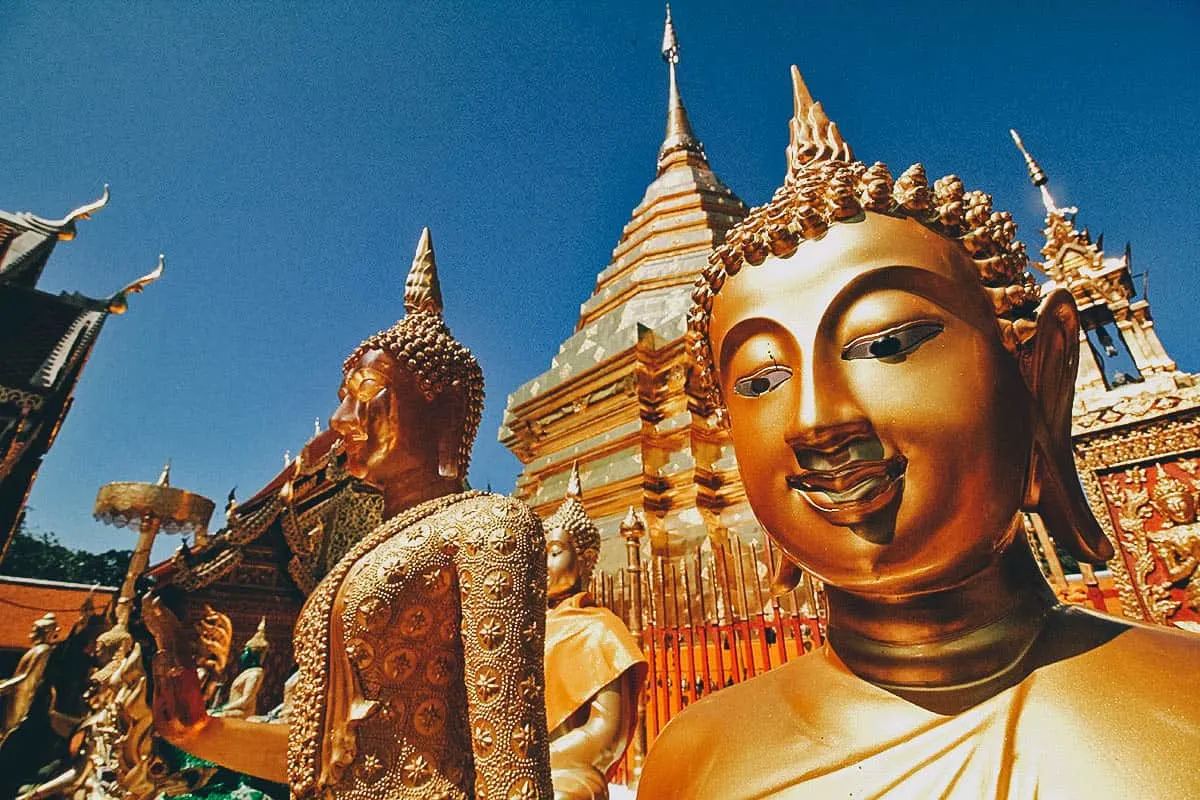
(286, 155)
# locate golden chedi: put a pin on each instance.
(898, 394)
(594, 667)
(420, 653)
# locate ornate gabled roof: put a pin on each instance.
(315, 507)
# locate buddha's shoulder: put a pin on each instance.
(1134, 660)
(485, 508)
(739, 708)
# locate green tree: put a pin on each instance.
(33, 554)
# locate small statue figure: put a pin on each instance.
(214, 638)
(421, 652)
(594, 667)
(898, 393)
(243, 692)
(17, 693)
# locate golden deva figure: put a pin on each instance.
(420, 653)
(897, 394)
(17, 692)
(594, 667)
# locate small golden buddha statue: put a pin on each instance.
(594, 667)
(898, 393)
(17, 692)
(243, 692)
(420, 654)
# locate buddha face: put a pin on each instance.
(383, 420)
(882, 431)
(562, 571)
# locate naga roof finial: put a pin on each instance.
(1036, 175)
(679, 136)
(65, 228)
(422, 290)
(164, 477)
(812, 136)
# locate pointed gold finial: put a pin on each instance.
(258, 642)
(1036, 175)
(812, 136)
(574, 484)
(164, 477)
(679, 136)
(422, 290)
(632, 526)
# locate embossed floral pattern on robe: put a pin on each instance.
(433, 685)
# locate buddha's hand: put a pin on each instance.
(179, 712)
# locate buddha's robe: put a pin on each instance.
(420, 661)
(587, 648)
(1120, 720)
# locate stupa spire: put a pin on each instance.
(422, 290)
(1036, 176)
(679, 136)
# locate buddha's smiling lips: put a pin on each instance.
(854, 492)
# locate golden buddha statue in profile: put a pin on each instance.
(594, 667)
(420, 653)
(898, 393)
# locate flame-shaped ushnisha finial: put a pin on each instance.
(258, 642)
(574, 484)
(812, 136)
(422, 291)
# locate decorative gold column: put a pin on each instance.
(632, 530)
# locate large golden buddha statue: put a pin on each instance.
(898, 393)
(594, 667)
(420, 653)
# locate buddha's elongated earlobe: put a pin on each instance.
(1049, 366)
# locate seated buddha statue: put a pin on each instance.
(243, 692)
(420, 653)
(594, 667)
(898, 393)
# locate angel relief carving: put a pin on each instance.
(1158, 512)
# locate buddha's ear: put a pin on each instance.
(1049, 364)
(451, 419)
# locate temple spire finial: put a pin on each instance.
(1036, 175)
(422, 290)
(164, 477)
(679, 136)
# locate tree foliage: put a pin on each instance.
(41, 555)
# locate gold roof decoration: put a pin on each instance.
(573, 518)
(1167, 485)
(422, 344)
(824, 185)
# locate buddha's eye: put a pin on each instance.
(898, 341)
(762, 381)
